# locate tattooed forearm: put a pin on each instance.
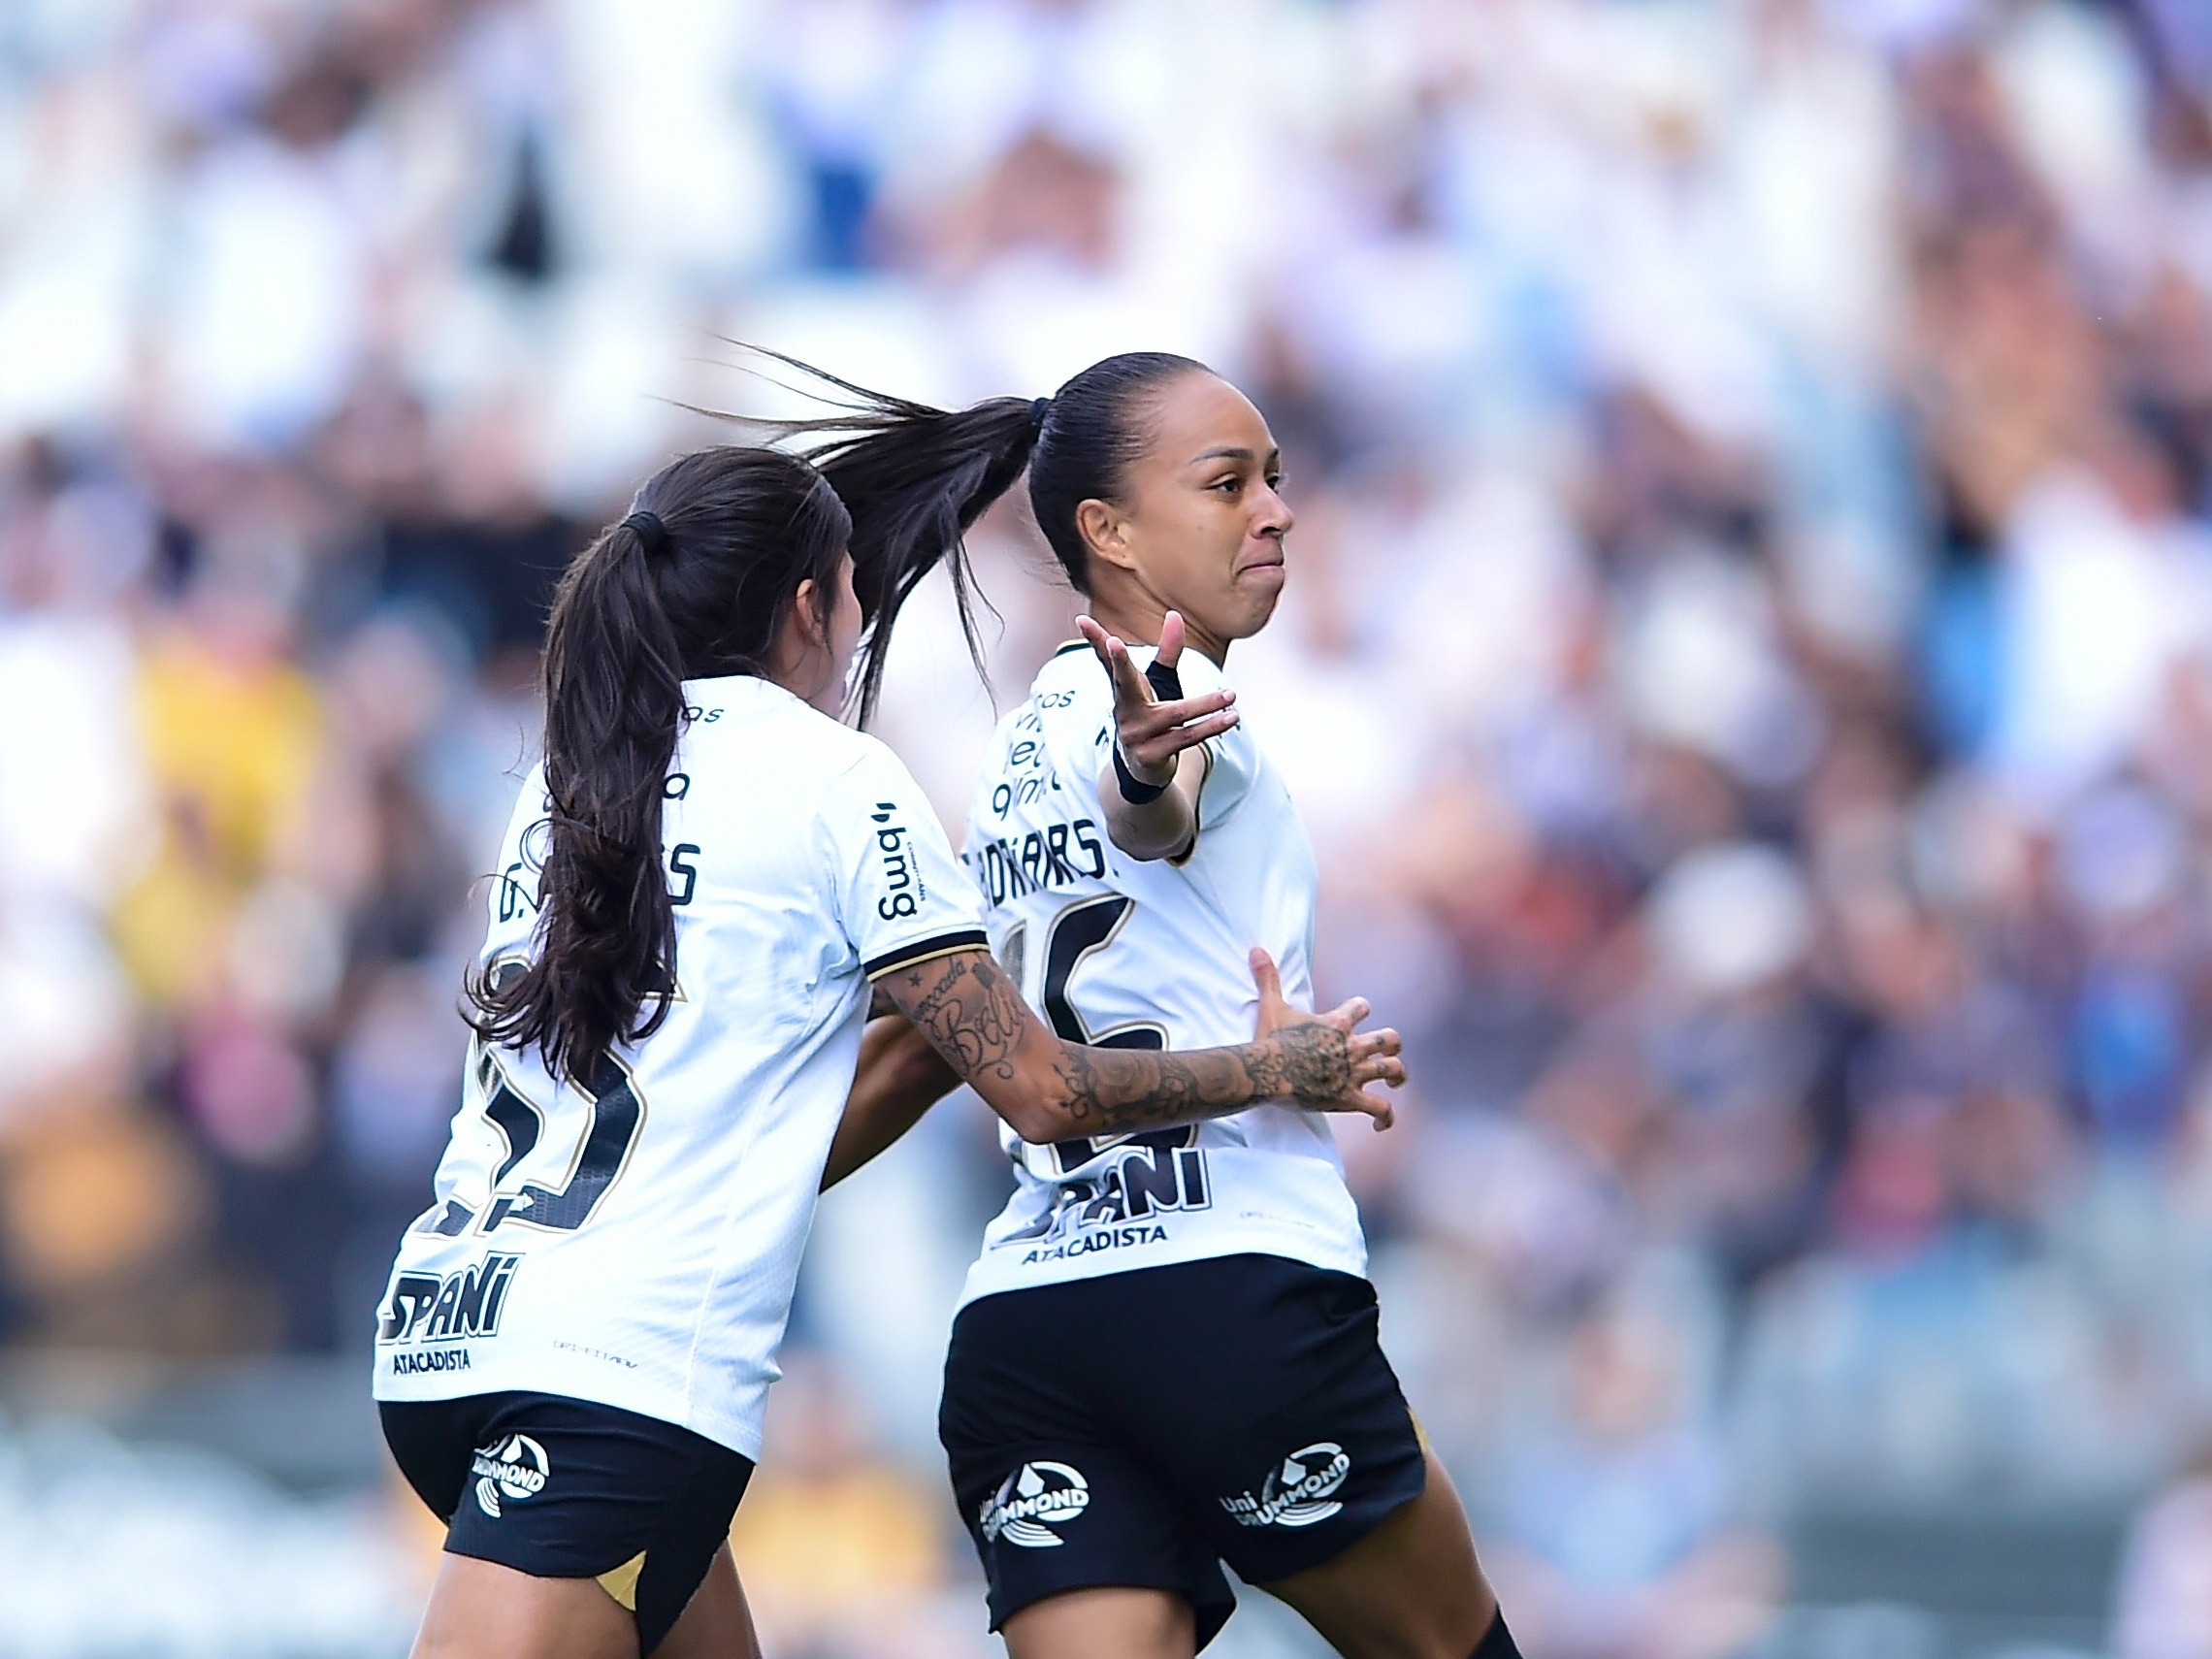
(1116, 1091)
(972, 1013)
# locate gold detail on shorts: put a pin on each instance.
(622, 1582)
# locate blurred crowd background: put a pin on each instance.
(1748, 671)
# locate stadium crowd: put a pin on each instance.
(1748, 671)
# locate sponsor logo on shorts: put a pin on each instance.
(1033, 1495)
(427, 1307)
(514, 1470)
(1297, 1494)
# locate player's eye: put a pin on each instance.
(1231, 484)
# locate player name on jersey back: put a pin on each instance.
(1125, 953)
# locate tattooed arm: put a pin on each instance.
(1050, 1089)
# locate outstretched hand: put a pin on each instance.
(1152, 733)
(1374, 1055)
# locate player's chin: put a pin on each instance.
(1258, 591)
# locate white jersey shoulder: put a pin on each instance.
(1128, 953)
(635, 1240)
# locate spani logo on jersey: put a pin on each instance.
(515, 1469)
(1297, 1494)
(1035, 1494)
(426, 1307)
(903, 890)
(1149, 1174)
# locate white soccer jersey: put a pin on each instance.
(1122, 953)
(636, 1242)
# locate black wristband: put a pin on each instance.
(1167, 686)
(1134, 793)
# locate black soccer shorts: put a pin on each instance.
(563, 1488)
(1141, 1428)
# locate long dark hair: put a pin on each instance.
(916, 478)
(695, 582)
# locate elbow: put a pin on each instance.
(1036, 1120)
(1144, 849)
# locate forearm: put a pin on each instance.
(1050, 1089)
(899, 1077)
(1113, 1091)
(1163, 827)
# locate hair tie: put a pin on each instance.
(649, 531)
(1037, 412)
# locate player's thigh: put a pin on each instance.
(717, 1623)
(1409, 1589)
(481, 1610)
(608, 1518)
(1057, 1506)
(1105, 1622)
(1287, 1439)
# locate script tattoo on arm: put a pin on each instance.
(970, 1011)
(968, 1007)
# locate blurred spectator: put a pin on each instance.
(838, 1549)
(2164, 1605)
(1615, 1519)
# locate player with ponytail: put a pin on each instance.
(1168, 1353)
(703, 890)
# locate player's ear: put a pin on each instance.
(806, 613)
(1105, 533)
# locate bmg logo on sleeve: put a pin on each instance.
(903, 890)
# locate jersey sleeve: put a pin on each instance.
(1232, 760)
(900, 893)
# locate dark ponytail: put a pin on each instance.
(915, 479)
(1092, 432)
(694, 583)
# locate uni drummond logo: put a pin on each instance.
(1035, 1494)
(1297, 1494)
(515, 1469)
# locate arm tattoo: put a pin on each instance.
(1113, 1092)
(968, 1009)
(973, 1016)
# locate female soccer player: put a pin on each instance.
(1167, 1355)
(697, 889)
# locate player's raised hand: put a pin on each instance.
(1150, 732)
(1372, 1054)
